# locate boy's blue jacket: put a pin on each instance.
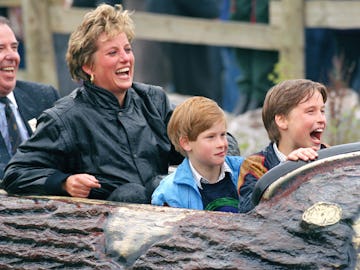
(179, 188)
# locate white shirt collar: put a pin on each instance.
(200, 179)
(279, 155)
(12, 98)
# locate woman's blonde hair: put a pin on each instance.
(107, 19)
(190, 118)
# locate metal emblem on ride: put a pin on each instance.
(322, 214)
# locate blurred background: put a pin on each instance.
(232, 51)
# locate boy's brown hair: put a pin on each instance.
(285, 96)
(190, 118)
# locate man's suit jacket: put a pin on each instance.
(32, 99)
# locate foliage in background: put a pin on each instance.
(280, 72)
(343, 121)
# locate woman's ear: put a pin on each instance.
(87, 69)
(184, 143)
(281, 121)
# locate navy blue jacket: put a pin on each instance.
(252, 169)
(32, 99)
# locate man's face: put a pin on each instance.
(9, 59)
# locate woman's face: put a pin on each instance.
(113, 67)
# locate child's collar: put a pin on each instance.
(200, 179)
(279, 155)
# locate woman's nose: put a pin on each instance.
(125, 56)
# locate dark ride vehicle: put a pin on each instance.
(306, 217)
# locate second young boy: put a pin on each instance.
(294, 118)
(207, 178)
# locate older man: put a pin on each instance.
(21, 102)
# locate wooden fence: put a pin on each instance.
(285, 32)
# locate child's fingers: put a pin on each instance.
(303, 154)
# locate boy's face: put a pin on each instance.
(304, 125)
(210, 148)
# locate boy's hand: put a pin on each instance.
(305, 154)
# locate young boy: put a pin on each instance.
(207, 178)
(294, 118)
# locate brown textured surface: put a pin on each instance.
(60, 233)
(50, 234)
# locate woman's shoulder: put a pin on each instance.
(66, 106)
(148, 89)
(152, 95)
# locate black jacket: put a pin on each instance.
(88, 132)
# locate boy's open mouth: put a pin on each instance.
(316, 134)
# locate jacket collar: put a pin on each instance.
(184, 174)
(104, 98)
(200, 179)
